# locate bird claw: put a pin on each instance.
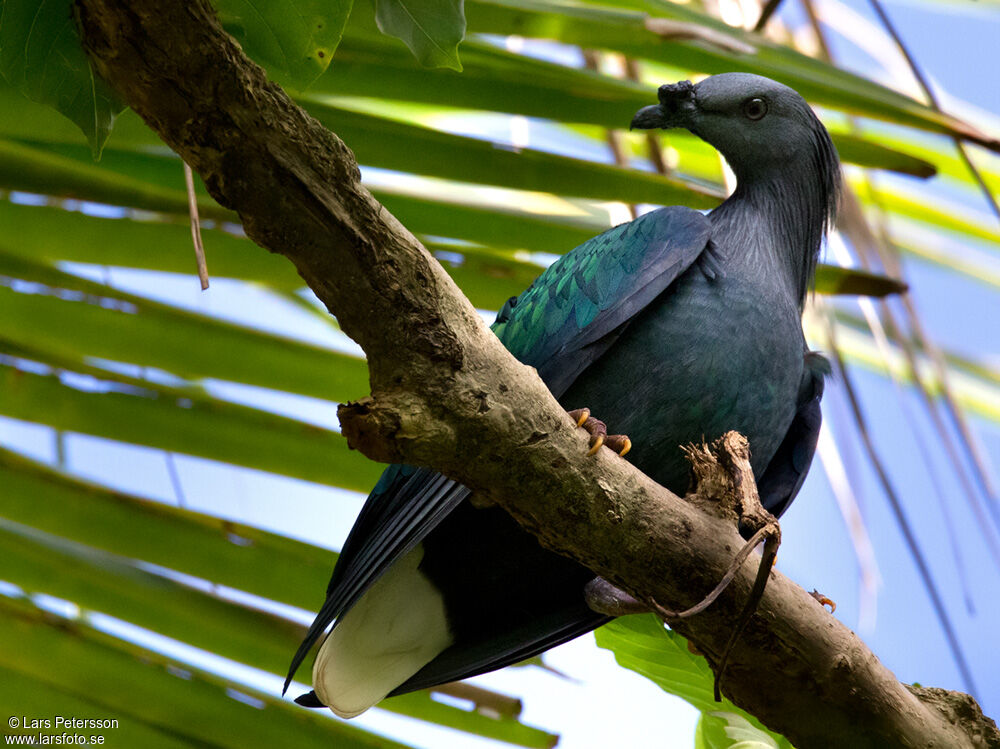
(824, 601)
(598, 432)
(620, 443)
(595, 444)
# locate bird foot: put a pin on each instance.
(598, 432)
(824, 601)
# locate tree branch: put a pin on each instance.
(446, 394)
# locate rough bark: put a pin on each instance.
(446, 394)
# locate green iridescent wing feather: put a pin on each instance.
(557, 324)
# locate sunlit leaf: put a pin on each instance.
(97, 581)
(627, 32)
(233, 554)
(34, 170)
(126, 680)
(641, 643)
(146, 333)
(145, 413)
(722, 730)
(833, 279)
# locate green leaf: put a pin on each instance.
(40, 233)
(833, 279)
(41, 56)
(94, 580)
(432, 29)
(294, 39)
(626, 32)
(187, 344)
(940, 214)
(967, 264)
(97, 581)
(723, 730)
(233, 554)
(856, 150)
(39, 171)
(643, 644)
(382, 142)
(369, 65)
(503, 728)
(139, 686)
(487, 277)
(974, 386)
(185, 421)
(25, 695)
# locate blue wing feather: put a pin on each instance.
(787, 470)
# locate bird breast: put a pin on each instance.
(706, 357)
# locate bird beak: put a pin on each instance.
(677, 105)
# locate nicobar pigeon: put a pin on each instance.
(671, 328)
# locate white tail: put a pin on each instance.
(397, 628)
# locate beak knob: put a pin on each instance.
(672, 94)
(677, 102)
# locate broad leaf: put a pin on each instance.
(294, 39)
(41, 56)
(722, 730)
(432, 29)
(643, 644)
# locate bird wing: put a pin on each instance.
(404, 506)
(787, 470)
(560, 325)
(573, 312)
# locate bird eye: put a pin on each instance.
(754, 109)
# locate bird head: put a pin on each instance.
(785, 163)
(759, 125)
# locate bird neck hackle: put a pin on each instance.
(786, 210)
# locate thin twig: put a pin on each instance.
(592, 61)
(866, 241)
(634, 74)
(666, 614)
(756, 593)
(932, 100)
(485, 700)
(199, 248)
(683, 31)
(901, 520)
(765, 14)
